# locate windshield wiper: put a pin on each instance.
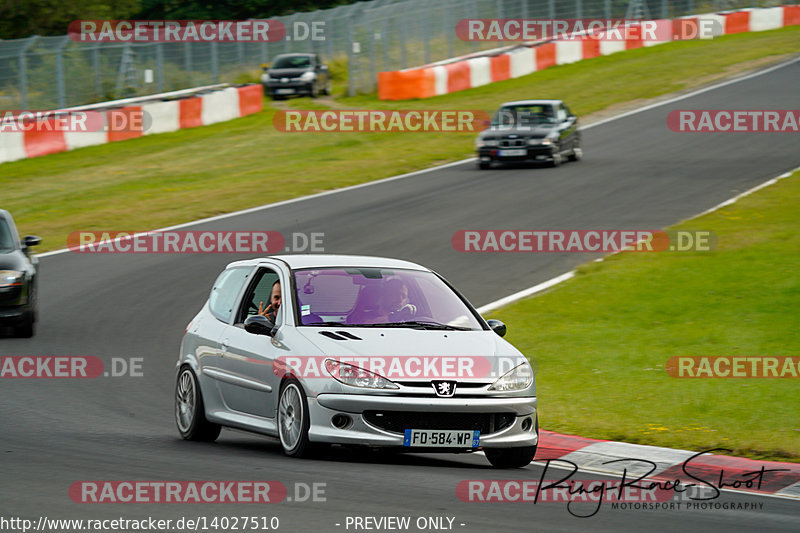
(328, 324)
(421, 325)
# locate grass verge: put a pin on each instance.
(600, 341)
(170, 178)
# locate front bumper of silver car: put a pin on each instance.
(380, 421)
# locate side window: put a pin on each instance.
(226, 289)
(259, 292)
(562, 113)
(569, 113)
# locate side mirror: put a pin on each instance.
(31, 240)
(496, 325)
(259, 325)
(265, 66)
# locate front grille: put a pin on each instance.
(513, 143)
(399, 421)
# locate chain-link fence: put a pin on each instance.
(367, 37)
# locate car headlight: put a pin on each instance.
(308, 76)
(480, 143)
(10, 278)
(265, 78)
(356, 376)
(520, 378)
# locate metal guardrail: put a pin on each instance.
(363, 37)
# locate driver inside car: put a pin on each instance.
(394, 303)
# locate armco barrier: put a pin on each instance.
(160, 117)
(465, 73)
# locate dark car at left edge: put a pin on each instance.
(18, 278)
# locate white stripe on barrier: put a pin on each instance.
(480, 71)
(523, 62)
(81, 139)
(220, 106)
(440, 80)
(608, 47)
(568, 52)
(162, 117)
(716, 29)
(766, 19)
(12, 146)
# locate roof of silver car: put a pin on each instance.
(532, 102)
(331, 260)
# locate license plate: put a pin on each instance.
(284, 91)
(450, 438)
(513, 153)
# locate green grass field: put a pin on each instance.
(600, 341)
(170, 178)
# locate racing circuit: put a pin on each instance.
(636, 174)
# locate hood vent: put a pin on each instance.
(340, 335)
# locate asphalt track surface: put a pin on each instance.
(636, 175)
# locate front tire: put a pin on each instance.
(293, 419)
(25, 329)
(484, 165)
(577, 152)
(510, 457)
(190, 413)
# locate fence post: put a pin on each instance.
(96, 66)
(386, 43)
(664, 9)
(23, 71)
(578, 9)
(373, 75)
(608, 9)
(449, 27)
(160, 67)
(551, 6)
(351, 90)
(60, 85)
(214, 62)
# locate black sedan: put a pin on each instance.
(296, 74)
(18, 273)
(542, 131)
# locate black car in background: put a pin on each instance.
(530, 130)
(296, 74)
(18, 276)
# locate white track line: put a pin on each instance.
(530, 291)
(447, 165)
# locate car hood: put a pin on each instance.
(287, 72)
(14, 260)
(537, 132)
(492, 356)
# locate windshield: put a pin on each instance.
(380, 297)
(524, 115)
(293, 62)
(6, 241)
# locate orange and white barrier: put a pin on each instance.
(468, 72)
(131, 121)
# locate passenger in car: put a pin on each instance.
(271, 311)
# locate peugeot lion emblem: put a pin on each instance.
(444, 389)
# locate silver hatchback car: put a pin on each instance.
(362, 351)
